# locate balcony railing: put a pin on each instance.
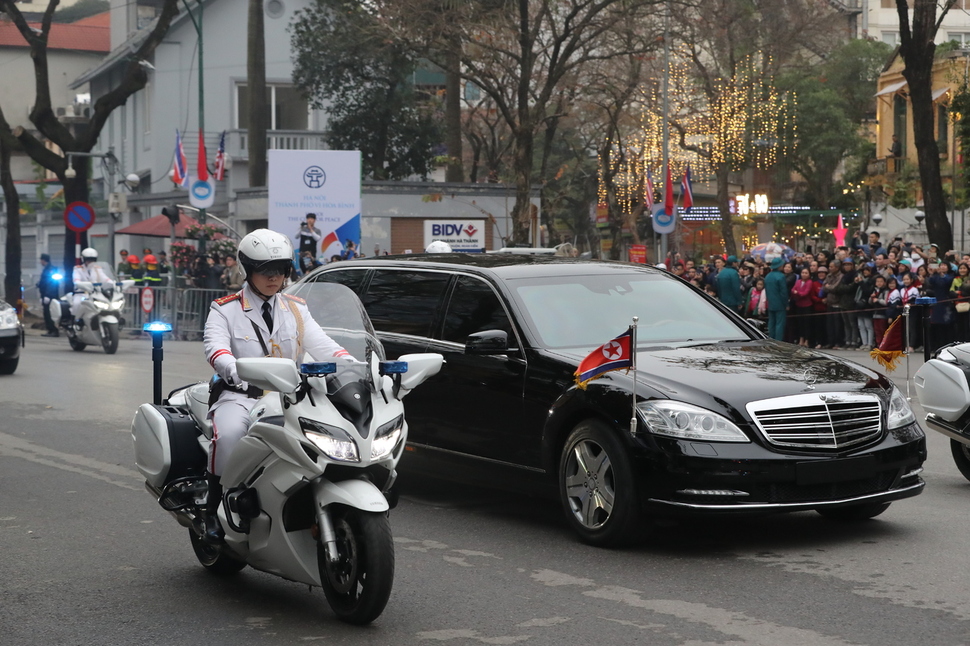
(237, 141)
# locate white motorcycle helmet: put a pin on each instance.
(438, 246)
(89, 255)
(265, 251)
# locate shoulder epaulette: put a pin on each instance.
(297, 299)
(228, 299)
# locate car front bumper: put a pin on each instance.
(690, 478)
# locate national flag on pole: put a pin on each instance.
(891, 349)
(648, 192)
(203, 170)
(613, 355)
(180, 167)
(220, 173)
(686, 192)
(669, 194)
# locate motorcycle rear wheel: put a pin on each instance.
(109, 340)
(213, 558)
(961, 457)
(358, 584)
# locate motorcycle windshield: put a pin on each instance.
(342, 316)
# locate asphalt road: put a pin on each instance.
(87, 557)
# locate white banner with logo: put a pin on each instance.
(462, 235)
(323, 182)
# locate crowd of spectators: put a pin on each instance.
(842, 298)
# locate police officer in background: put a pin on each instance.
(48, 288)
(256, 321)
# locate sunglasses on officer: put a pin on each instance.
(272, 270)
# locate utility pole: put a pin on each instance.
(197, 22)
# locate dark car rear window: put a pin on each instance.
(405, 302)
(352, 278)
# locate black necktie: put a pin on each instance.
(268, 317)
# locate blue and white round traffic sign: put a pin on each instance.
(664, 222)
(202, 193)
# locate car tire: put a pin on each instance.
(852, 513)
(961, 457)
(597, 489)
(9, 366)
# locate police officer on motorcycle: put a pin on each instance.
(256, 321)
(88, 271)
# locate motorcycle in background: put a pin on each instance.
(943, 390)
(98, 318)
(305, 492)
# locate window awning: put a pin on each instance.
(938, 93)
(892, 87)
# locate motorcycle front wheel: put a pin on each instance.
(358, 584)
(213, 558)
(109, 338)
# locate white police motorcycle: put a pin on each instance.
(305, 492)
(943, 390)
(98, 318)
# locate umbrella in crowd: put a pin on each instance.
(768, 251)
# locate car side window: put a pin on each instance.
(352, 278)
(474, 307)
(405, 302)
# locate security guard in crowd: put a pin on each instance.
(256, 321)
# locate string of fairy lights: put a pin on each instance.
(747, 122)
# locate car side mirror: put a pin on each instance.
(270, 373)
(758, 324)
(487, 342)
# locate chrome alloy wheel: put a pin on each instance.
(589, 484)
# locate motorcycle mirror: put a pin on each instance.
(420, 367)
(270, 373)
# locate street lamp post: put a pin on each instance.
(111, 166)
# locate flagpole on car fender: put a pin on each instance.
(633, 359)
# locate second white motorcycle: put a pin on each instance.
(98, 316)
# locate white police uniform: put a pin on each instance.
(92, 273)
(231, 333)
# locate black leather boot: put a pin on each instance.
(212, 531)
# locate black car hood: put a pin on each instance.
(734, 373)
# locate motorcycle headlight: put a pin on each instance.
(686, 422)
(101, 305)
(386, 438)
(8, 318)
(333, 441)
(900, 414)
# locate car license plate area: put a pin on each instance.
(823, 471)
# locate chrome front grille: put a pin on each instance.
(818, 420)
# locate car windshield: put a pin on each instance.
(587, 311)
(340, 313)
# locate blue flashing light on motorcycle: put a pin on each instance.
(318, 368)
(157, 326)
(57, 276)
(393, 367)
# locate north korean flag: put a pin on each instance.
(613, 355)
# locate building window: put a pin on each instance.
(890, 37)
(288, 109)
(961, 37)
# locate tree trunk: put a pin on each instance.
(727, 230)
(454, 171)
(928, 155)
(522, 167)
(258, 108)
(11, 282)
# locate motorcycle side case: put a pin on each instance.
(942, 389)
(166, 441)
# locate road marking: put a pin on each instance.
(754, 631)
(449, 635)
(16, 447)
(551, 621)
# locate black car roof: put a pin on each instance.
(504, 265)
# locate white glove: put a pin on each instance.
(47, 300)
(234, 380)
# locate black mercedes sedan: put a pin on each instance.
(716, 418)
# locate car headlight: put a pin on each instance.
(686, 422)
(386, 438)
(8, 318)
(333, 441)
(900, 414)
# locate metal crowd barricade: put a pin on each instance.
(192, 309)
(163, 309)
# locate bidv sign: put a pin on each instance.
(462, 235)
